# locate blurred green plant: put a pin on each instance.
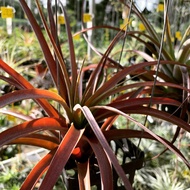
(159, 178)
(21, 51)
(12, 178)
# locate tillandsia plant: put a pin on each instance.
(164, 48)
(77, 128)
(173, 60)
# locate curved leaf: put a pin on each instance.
(116, 134)
(112, 82)
(21, 83)
(15, 114)
(140, 36)
(101, 114)
(63, 79)
(103, 162)
(29, 127)
(61, 157)
(44, 141)
(101, 139)
(71, 49)
(33, 94)
(184, 52)
(161, 140)
(84, 175)
(37, 171)
(124, 104)
(94, 80)
(186, 34)
(43, 43)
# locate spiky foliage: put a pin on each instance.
(79, 126)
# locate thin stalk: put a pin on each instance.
(160, 51)
(59, 56)
(158, 62)
(125, 34)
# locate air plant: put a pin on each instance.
(78, 125)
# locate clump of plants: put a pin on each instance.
(78, 126)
